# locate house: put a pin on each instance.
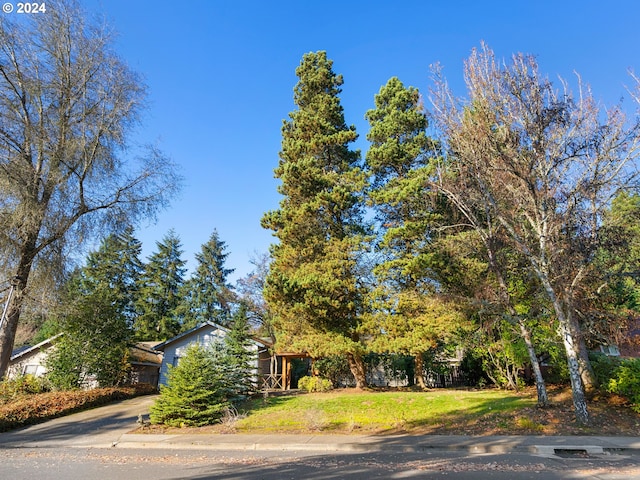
(625, 345)
(144, 360)
(145, 363)
(205, 334)
(31, 360)
(273, 371)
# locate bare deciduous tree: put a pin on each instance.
(545, 164)
(67, 103)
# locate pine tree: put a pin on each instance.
(313, 287)
(118, 263)
(242, 351)
(160, 291)
(399, 163)
(199, 388)
(408, 317)
(208, 294)
(98, 318)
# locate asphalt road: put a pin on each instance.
(81, 463)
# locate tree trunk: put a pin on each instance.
(10, 325)
(579, 398)
(586, 370)
(571, 349)
(541, 388)
(420, 371)
(356, 365)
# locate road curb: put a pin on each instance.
(375, 444)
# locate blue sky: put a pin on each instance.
(221, 77)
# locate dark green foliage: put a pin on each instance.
(94, 346)
(314, 287)
(208, 295)
(199, 389)
(97, 318)
(48, 329)
(396, 367)
(471, 368)
(399, 162)
(604, 367)
(501, 352)
(334, 368)
(626, 382)
(160, 291)
(407, 316)
(242, 352)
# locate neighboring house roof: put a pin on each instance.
(21, 352)
(148, 345)
(141, 354)
(203, 326)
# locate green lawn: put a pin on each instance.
(379, 412)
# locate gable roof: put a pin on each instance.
(202, 326)
(23, 351)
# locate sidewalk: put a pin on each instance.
(397, 443)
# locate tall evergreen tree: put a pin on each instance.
(118, 263)
(243, 356)
(408, 316)
(160, 291)
(208, 294)
(313, 287)
(98, 316)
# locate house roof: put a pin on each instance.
(151, 346)
(193, 330)
(140, 354)
(21, 352)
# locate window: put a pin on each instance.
(610, 350)
(30, 370)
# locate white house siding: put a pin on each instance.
(207, 334)
(32, 363)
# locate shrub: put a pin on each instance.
(315, 384)
(335, 368)
(604, 367)
(21, 386)
(626, 382)
(34, 408)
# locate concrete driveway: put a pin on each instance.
(98, 427)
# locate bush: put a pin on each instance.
(604, 367)
(34, 408)
(315, 384)
(626, 382)
(21, 386)
(335, 368)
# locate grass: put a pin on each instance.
(376, 412)
(435, 412)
